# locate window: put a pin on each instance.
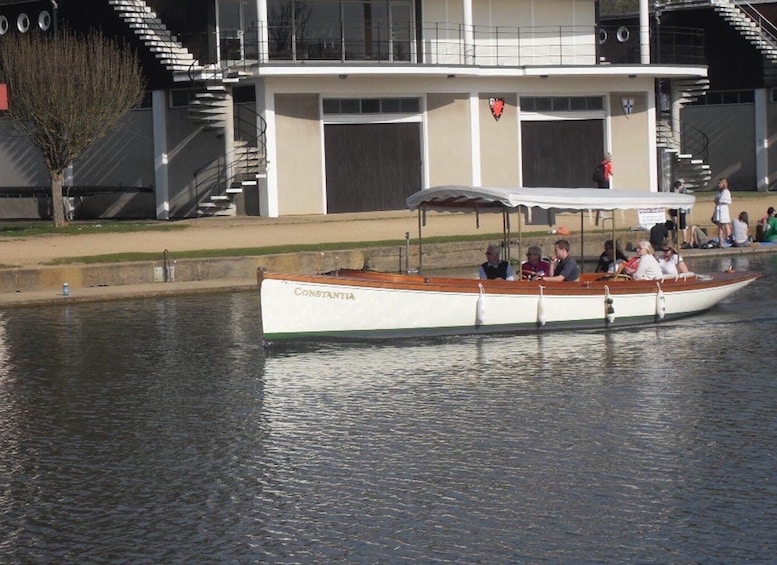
(371, 106)
(561, 103)
(340, 29)
(721, 97)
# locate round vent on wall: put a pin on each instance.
(3, 25)
(23, 23)
(44, 20)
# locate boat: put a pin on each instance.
(366, 305)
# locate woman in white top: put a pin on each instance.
(670, 262)
(741, 228)
(722, 217)
(647, 268)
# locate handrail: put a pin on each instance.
(442, 43)
(768, 29)
(218, 175)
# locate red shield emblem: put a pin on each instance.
(497, 106)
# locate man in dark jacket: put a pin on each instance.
(659, 233)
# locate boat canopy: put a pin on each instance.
(452, 198)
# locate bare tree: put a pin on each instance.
(65, 92)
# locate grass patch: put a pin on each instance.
(31, 229)
(279, 249)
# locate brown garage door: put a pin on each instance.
(561, 153)
(371, 167)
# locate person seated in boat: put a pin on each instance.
(610, 258)
(647, 268)
(495, 267)
(671, 262)
(563, 267)
(535, 266)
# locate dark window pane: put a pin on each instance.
(331, 106)
(410, 105)
(371, 106)
(542, 105)
(391, 105)
(350, 106)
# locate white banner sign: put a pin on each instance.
(649, 217)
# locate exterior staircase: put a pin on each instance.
(150, 29)
(220, 182)
(688, 147)
(745, 18)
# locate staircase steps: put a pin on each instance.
(762, 37)
(150, 30)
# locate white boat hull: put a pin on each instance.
(366, 306)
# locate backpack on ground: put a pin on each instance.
(598, 176)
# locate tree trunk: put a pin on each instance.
(57, 202)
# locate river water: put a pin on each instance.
(160, 431)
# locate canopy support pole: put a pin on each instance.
(582, 242)
(520, 232)
(506, 232)
(420, 246)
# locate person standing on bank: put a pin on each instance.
(603, 172)
(564, 266)
(722, 217)
(494, 267)
(679, 214)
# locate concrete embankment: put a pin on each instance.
(143, 279)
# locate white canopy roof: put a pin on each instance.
(451, 198)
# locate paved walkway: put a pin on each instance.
(247, 232)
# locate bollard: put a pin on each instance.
(65, 289)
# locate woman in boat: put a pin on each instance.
(535, 266)
(647, 268)
(494, 267)
(610, 258)
(670, 261)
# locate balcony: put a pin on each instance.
(447, 44)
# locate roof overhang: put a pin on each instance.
(455, 71)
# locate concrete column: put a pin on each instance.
(161, 187)
(474, 128)
(262, 39)
(644, 32)
(268, 197)
(469, 34)
(761, 107)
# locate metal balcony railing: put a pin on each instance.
(446, 44)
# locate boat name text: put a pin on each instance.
(324, 294)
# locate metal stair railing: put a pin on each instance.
(766, 29)
(242, 164)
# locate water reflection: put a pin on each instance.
(161, 431)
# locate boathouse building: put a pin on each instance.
(283, 107)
